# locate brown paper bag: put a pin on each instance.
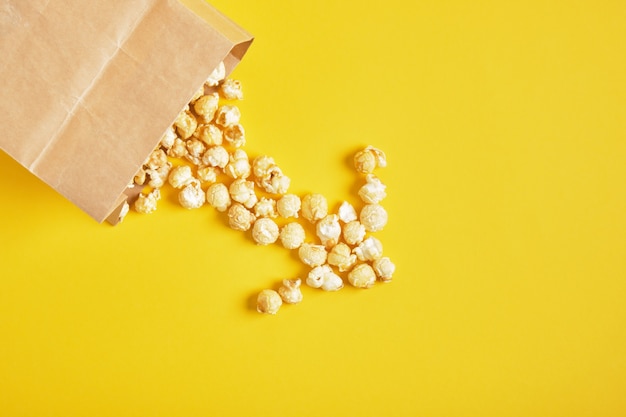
(89, 87)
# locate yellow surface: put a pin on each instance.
(504, 125)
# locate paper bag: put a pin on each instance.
(89, 87)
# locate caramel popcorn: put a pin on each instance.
(341, 256)
(292, 235)
(231, 89)
(325, 278)
(147, 203)
(384, 268)
(192, 196)
(206, 106)
(180, 176)
(158, 176)
(353, 232)
(373, 192)
(217, 196)
(290, 291)
(346, 212)
(268, 302)
(218, 74)
(210, 134)
(227, 115)
(239, 217)
(185, 124)
(312, 255)
(368, 250)
(207, 174)
(238, 165)
(328, 230)
(242, 191)
(216, 156)
(368, 159)
(156, 160)
(265, 207)
(373, 217)
(314, 207)
(235, 135)
(195, 150)
(362, 276)
(265, 231)
(168, 138)
(178, 149)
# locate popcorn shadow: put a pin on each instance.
(250, 302)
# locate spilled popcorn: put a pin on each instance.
(202, 157)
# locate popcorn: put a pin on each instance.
(269, 176)
(206, 106)
(217, 196)
(168, 138)
(261, 166)
(265, 231)
(292, 235)
(157, 159)
(239, 217)
(346, 212)
(312, 255)
(384, 268)
(158, 176)
(185, 124)
(341, 256)
(353, 232)
(216, 156)
(178, 149)
(140, 177)
(373, 192)
(235, 135)
(218, 74)
(290, 291)
(192, 196)
(147, 203)
(231, 89)
(180, 176)
(368, 250)
(362, 276)
(314, 207)
(210, 134)
(288, 206)
(207, 174)
(238, 165)
(202, 132)
(323, 277)
(195, 150)
(242, 191)
(328, 230)
(373, 217)
(227, 115)
(265, 207)
(368, 159)
(268, 302)
(277, 183)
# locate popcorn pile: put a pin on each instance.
(201, 155)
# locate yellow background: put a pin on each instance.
(504, 124)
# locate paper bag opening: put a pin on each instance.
(90, 88)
